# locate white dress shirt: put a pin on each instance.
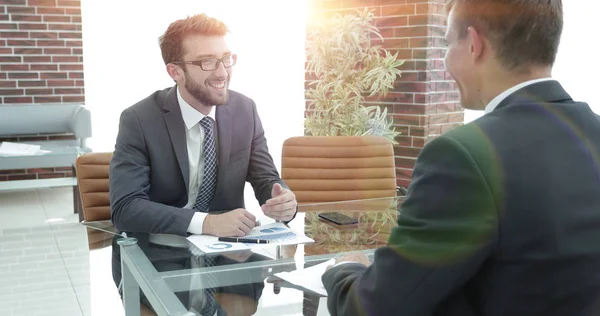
(499, 98)
(195, 147)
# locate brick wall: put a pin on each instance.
(41, 61)
(425, 101)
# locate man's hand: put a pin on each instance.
(236, 223)
(358, 257)
(282, 205)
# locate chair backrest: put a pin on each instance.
(338, 168)
(92, 179)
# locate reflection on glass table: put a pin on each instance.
(171, 276)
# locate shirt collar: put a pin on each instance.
(191, 116)
(499, 98)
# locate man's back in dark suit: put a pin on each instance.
(503, 214)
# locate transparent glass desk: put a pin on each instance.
(170, 275)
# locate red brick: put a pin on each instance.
(396, 43)
(422, 8)
(53, 75)
(76, 75)
(64, 67)
(63, 169)
(20, 10)
(39, 92)
(46, 99)
(418, 131)
(49, 35)
(76, 19)
(406, 119)
(26, 18)
(421, 98)
(411, 31)
(21, 176)
(73, 98)
(57, 18)
(67, 3)
(68, 174)
(32, 83)
(408, 163)
(10, 67)
(77, 51)
(13, 171)
(68, 91)
(410, 86)
(9, 100)
(406, 151)
(438, 97)
(73, 11)
(76, 35)
(60, 83)
(65, 59)
(453, 96)
(395, 21)
(8, 26)
(5, 50)
(8, 84)
(22, 75)
(402, 54)
(418, 142)
(436, 75)
(73, 43)
(28, 51)
(43, 67)
(40, 170)
(449, 127)
(4, 92)
(20, 43)
(14, 35)
(418, 20)
(3, 17)
(79, 83)
(434, 130)
(409, 109)
(403, 173)
(402, 140)
(31, 26)
(398, 10)
(35, 59)
(56, 43)
(438, 119)
(42, 3)
(58, 11)
(51, 175)
(57, 51)
(412, 76)
(14, 2)
(456, 117)
(443, 86)
(62, 27)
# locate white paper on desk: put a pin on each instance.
(20, 149)
(277, 233)
(309, 278)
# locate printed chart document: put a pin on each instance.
(308, 278)
(277, 233)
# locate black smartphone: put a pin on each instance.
(338, 218)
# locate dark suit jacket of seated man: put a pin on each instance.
(156, 170)
(503, 214)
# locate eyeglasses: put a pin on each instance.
(211, 63)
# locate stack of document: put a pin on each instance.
(276, 233)
(20, 149)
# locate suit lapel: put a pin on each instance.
(176, 128)
(224, 138)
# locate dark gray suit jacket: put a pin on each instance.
(149, 170)
(502, 218)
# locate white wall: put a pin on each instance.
(576, 66)
(123, 64)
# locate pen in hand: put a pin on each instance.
(244, 240)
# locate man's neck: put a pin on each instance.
(502, 81)
(199, 106)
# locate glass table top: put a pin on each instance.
(176, 277)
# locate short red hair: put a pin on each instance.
(171, 41)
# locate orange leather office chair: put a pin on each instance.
(339, 168)
(92, 179)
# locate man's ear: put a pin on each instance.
(477, 43)
(175, 72)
